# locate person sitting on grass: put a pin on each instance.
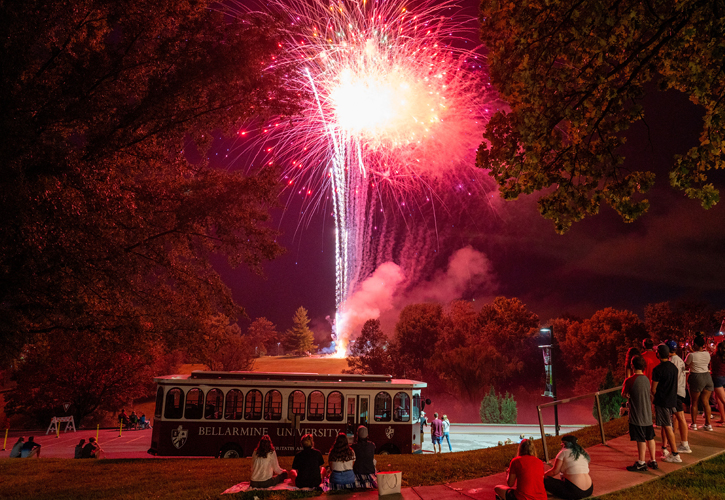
(17, 448)
(307, 467)
(364, 467)
(637, 391)
(78, 453)
(30, 449)
(92, 449)
(266, 471)
(572, 463)
(524, 476)
(341, 459)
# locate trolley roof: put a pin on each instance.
(294, 378)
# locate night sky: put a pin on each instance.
(672, 252)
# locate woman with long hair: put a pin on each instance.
(718, 379)
(632, 352)
(700, 381)
(447, 431)
(266, 471)
(341, 459)
(524, 476)
(572, 463)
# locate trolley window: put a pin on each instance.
(159, 402)
(194, 404)
(382, 407)
(316, 407)
(234, 403)
(174, 403)
(296, 404)
(253, 405)
(273, 406)
(416, 407)
(214, 404)
(334, 407)
(401, 405)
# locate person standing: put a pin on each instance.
(650, 357)
(718, 379)
(447, 431)
(679, 416)
(701, 385)
(664, 390)
(524, 476)
(631, 353)
(423, 423)
(436, 432)
(637, 391)
(307, 466)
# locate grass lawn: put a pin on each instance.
(299, 364)
(193, 479)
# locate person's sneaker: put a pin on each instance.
(707, 427)
(673, 459)
(693, 427)
(665, 452)
(638, 467)
(684, 448)
(652, 464)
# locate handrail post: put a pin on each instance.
(543, 436)
(599, 418)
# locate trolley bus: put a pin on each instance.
(224, 414)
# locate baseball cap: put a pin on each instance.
(672, 345)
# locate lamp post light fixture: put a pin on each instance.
(278, 343)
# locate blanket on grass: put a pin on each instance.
(244, 486)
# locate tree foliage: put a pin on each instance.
(223, 347)
(370, 353)
(679, 320)
(107, 227)
(416, 335)
(574, 75)
(299, 339)
(498, 409)
(263, 335)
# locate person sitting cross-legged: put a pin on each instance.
(341, 459)
(364, 467)
(266, 471)
(307, 466)
(524, 476)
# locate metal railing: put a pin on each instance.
(569, 400)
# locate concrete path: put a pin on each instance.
(607, 468)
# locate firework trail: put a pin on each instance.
(396, 107)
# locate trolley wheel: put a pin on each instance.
(230, 450)
(389, 449)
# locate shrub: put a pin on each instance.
(610, 402)
(509, 412)
(498, 409)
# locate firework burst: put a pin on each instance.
(397, 103)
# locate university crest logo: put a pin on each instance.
(389, 432)
(178, 437)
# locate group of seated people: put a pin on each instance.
(133, 421)
(92, 449)
(25, 449)
(349, 466)
(526, 477)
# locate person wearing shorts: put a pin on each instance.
(679, 417)
(637, 391)
(664, 390)
(701, 385)
(718, 379)
(436, 433)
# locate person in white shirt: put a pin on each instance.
(701, 385)
(679, 416)
(446, 431)
(266, 471)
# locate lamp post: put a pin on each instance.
(278, 343)
(549, 362)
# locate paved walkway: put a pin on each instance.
(607, 469)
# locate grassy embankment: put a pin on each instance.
(194, 479)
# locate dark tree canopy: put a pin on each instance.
(106, 226)
(574, 74)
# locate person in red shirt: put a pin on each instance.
(650, 357)
(526, 472)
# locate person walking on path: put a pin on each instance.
(718, 379)
(524, 476)
(637, 391)
(664, 390)
(436, 432)
(679, 417)
(572, 463)
(701, 385)
(447, 431)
